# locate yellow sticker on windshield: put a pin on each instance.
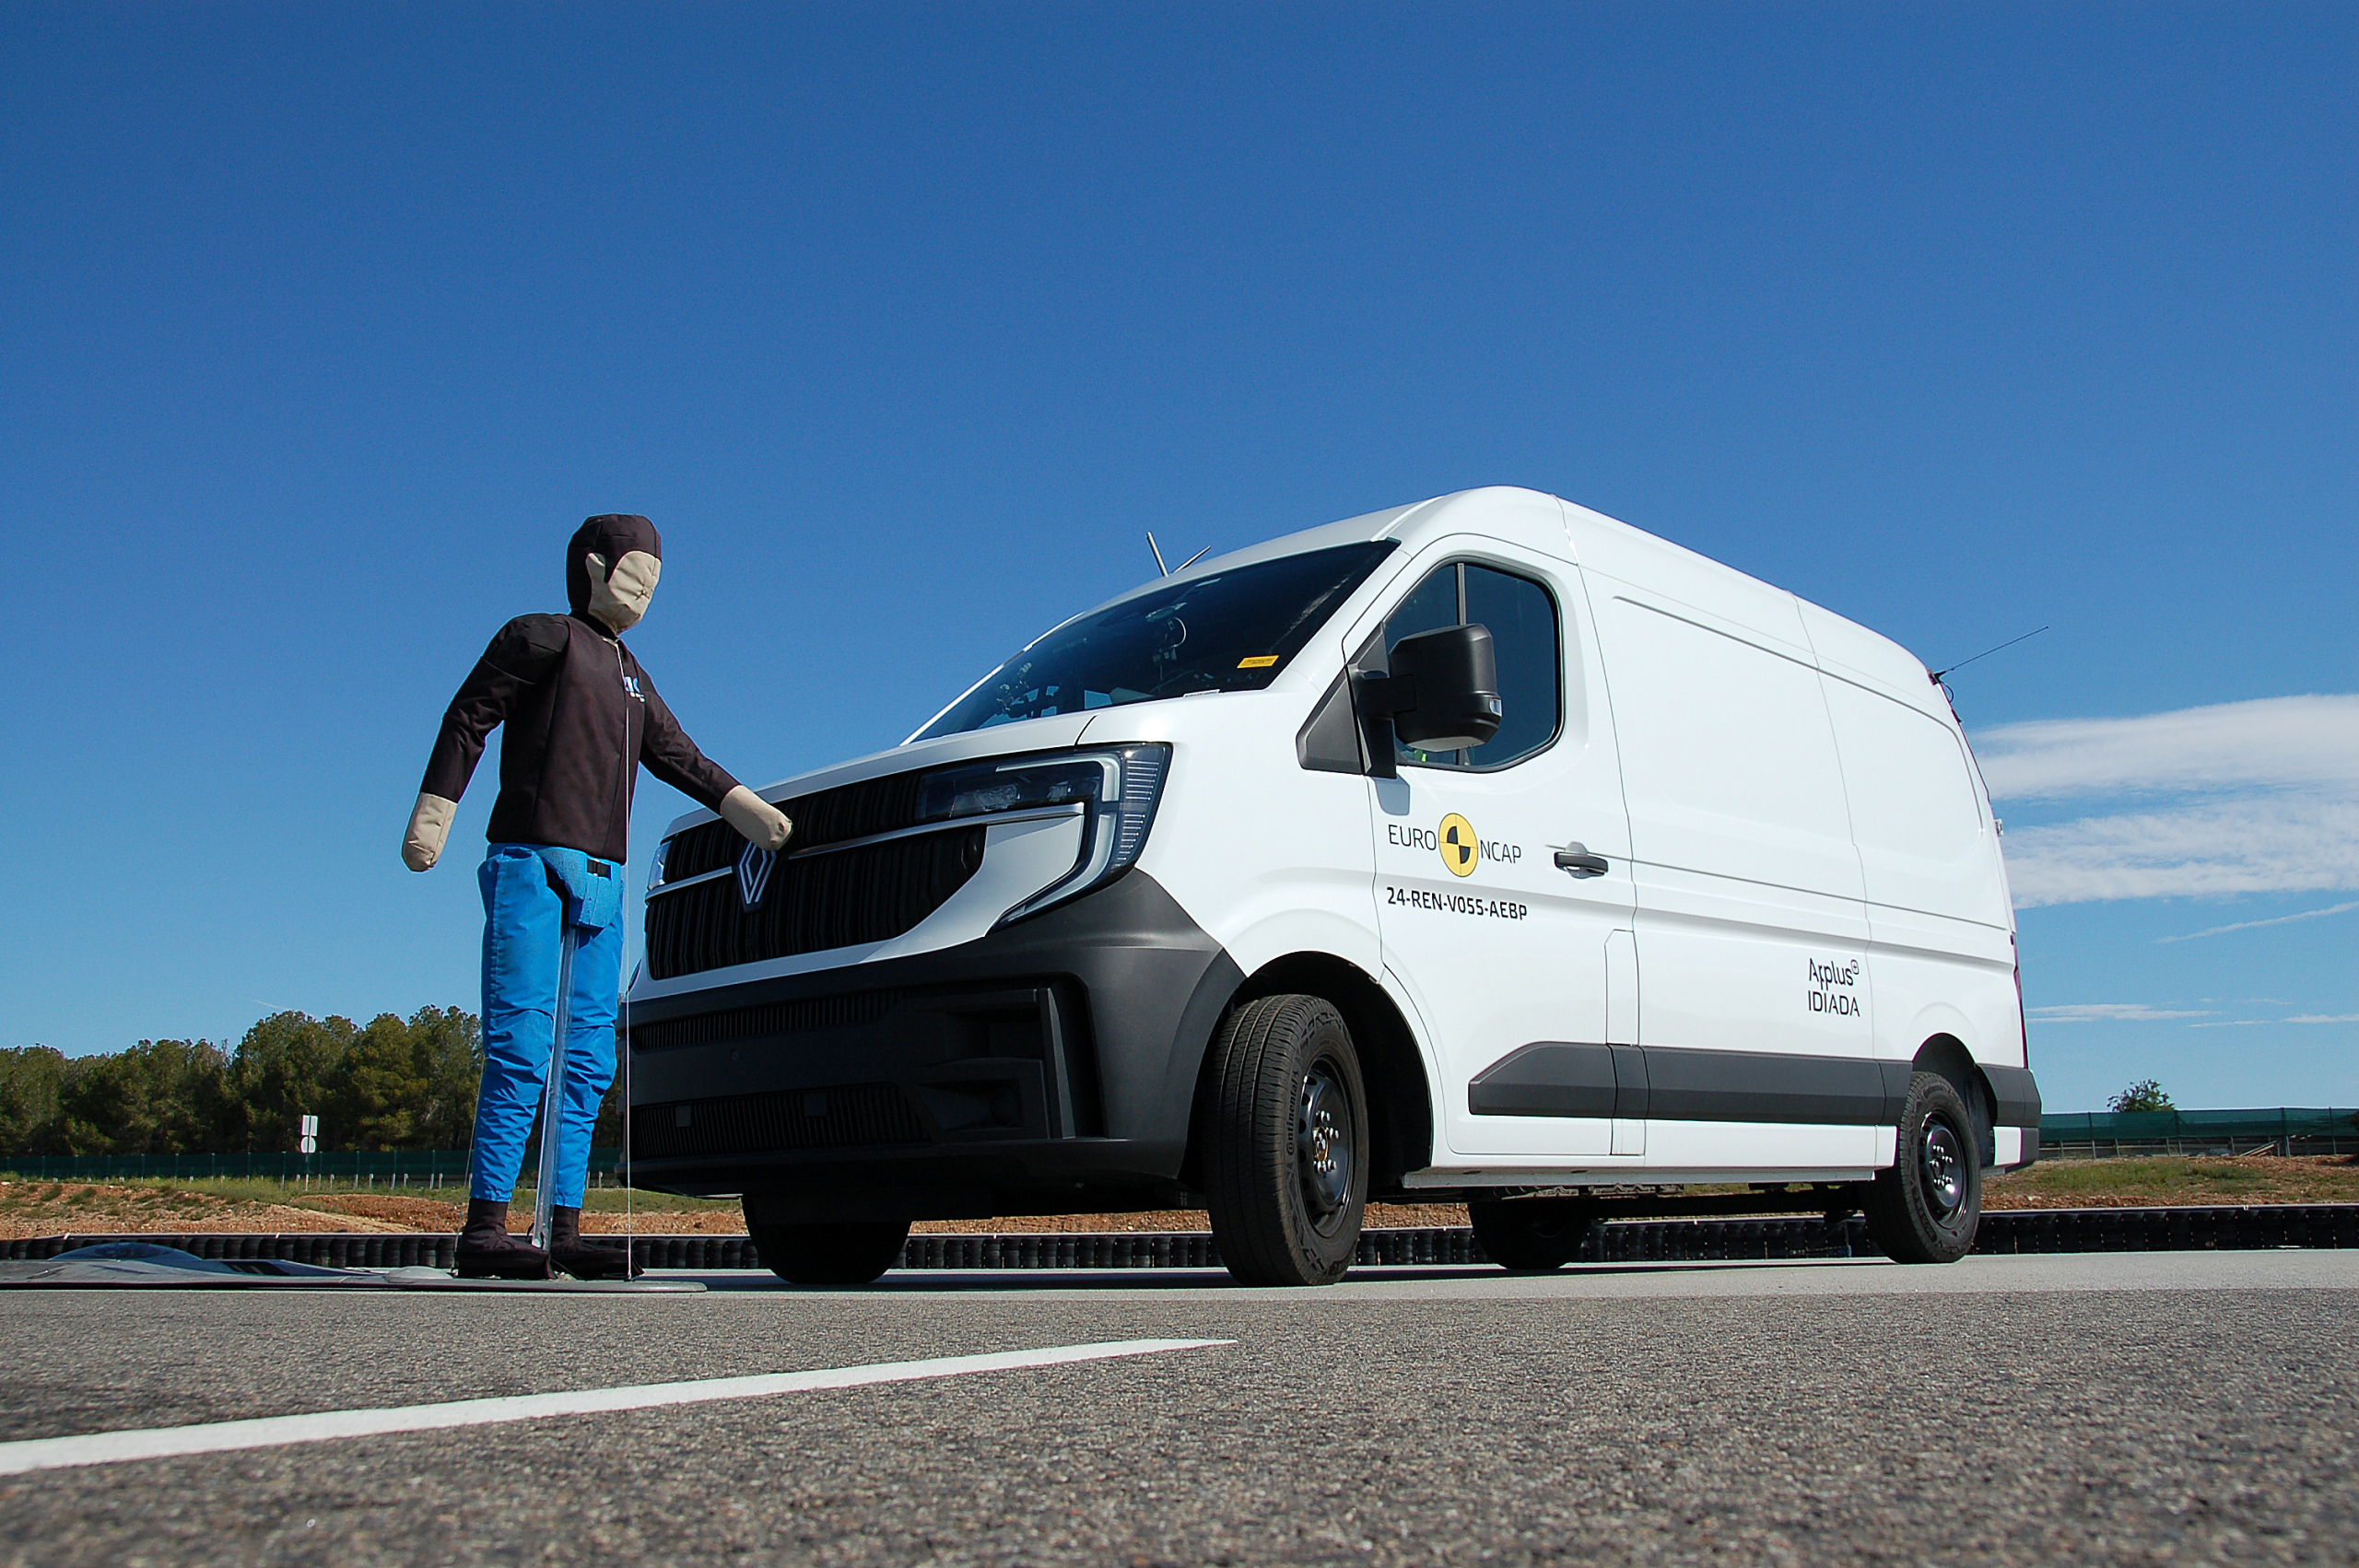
(1259, 661)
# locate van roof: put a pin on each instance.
(1609, 546)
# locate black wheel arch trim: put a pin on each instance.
(1393, 1066)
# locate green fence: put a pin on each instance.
(402, 1167)
(2288, 1130)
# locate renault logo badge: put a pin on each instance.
(754, 874)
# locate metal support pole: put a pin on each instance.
(553, 1097)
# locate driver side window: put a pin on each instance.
(1522, 619)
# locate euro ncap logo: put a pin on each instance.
(1459, 851)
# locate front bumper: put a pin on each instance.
(1046, 1066)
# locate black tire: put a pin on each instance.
(1925, 1208)
(852, 1254)
(1285, 1146)
(1531, 1235)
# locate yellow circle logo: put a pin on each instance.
(1459, 851)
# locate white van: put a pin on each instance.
(1485, 849)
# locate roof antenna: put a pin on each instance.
(1181, 566)
(1939, 675)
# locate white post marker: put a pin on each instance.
(553, 1095)
(273, 1432)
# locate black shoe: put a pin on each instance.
(487, 1251)
(579, 1258)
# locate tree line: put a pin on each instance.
(393, 1083)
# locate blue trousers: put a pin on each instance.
(524, 918)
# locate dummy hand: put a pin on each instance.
(761, 821)
(429, 824)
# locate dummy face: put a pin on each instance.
(619, 597)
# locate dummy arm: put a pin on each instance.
(430, 824)
(520, 656)
(759, 821)
(668, 754)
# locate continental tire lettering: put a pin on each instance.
(1467, 904)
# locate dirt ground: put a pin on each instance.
(39, 1208)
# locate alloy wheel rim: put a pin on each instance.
(1323, 1140)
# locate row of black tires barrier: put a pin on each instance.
(2258, 1226)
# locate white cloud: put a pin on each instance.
(2255, 924)
(2271, 742)
(2237, 798)
(2276, 844)
(2107, 1011)
(2326, 1018)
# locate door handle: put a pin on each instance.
(1576, 859)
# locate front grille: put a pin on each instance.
(765, 1020)
(813, 903)
(845, 1116)
(831, 816)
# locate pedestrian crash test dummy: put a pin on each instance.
(581, 719)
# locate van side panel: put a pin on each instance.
(1925, 843)
(1850, 649)
(1752, 929)
(1727, 760)
(1942, 954)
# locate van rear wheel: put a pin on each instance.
(1285, 1148)
(1927, 1206)
(1531, 1235)
(851, 1253)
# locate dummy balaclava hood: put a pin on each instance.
(615, 589)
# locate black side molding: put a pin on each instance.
(1678, 1084)
(1553, 1078)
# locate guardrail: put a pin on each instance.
(2225, 1227)
(2286, 1130)
(392, 1167)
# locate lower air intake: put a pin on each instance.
(844, 1116)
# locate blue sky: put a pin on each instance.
(326, 325)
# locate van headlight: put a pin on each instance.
(1114, 791)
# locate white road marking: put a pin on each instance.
(271, 1432)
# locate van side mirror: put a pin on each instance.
(1443, 692)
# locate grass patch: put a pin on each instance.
(2168, 1180)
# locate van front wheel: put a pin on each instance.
(1285, 1154)
(1927, 1207)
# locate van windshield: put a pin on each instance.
(1231, 631)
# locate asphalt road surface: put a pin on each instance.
(2149, 1408)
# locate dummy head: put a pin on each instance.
(611, 567)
